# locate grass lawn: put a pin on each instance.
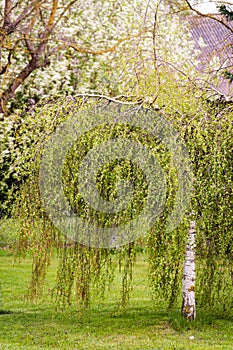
(105, 326)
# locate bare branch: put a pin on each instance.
(27, 11)
(36, 54)
(29, 45)
(52, 14)
(65, 10)
(86, 50)
(4, 68)
(208, 16)
(116, 99)
(154, 34)
(34, 19)
(10, 27)
(42, 18)
(21, 77)
(7, 10)
(45, 36)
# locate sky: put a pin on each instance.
(207, 6)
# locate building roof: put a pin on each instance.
(214, 41)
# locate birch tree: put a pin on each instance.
(189, 276)
(155, 67)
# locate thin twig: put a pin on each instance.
(109, 98)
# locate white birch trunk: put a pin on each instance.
(189, 276)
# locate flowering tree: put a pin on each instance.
(39, 34)
(55, 47)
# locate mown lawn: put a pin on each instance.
(105, 326)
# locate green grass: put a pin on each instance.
(105, 326)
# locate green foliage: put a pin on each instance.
(81, 269)
(86, 272)
(229, 76)
(226, 12)
(211, 146)
(9, 229)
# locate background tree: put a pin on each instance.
(38, 34)
(85, 47)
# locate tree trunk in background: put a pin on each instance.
(189, 276)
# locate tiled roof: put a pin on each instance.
(214, 40)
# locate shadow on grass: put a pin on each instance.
(45, 327)
(6, 312)
(204, 320)
(117, 318)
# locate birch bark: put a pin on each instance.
(189, 276)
